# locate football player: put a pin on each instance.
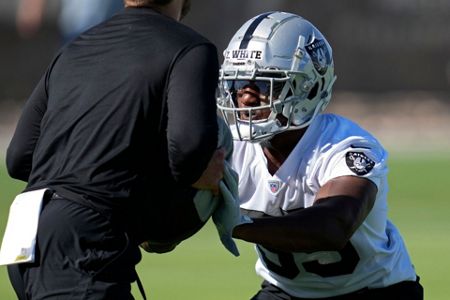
(315, 184)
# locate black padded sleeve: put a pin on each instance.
(20, 150)
(192, 119)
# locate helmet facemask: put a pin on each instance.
(260, 117)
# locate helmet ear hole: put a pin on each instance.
(313, 91)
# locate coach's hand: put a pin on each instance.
(213, 174)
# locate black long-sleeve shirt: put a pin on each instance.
(141, 83)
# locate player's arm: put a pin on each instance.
(340, 207)
(20, 150)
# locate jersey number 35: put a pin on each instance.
(289, 269)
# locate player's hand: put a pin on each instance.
(213, 174)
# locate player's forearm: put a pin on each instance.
(305, 231)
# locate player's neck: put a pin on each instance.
(278, 148)
(285, 142)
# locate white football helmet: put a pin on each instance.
(286, 59)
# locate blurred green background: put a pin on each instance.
(201, 268)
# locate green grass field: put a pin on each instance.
(200, 268)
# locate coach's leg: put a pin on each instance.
(82, 256)
(113, 280)
(16, 278)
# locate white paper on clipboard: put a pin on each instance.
(19, 240)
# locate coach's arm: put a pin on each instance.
(20, 150)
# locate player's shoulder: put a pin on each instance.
(338, 121)
(340, 127)
(345, 134)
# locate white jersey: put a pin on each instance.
(331, 147)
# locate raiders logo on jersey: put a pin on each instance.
(359, 163)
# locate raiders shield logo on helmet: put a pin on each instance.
(320, 55)
(359, 163)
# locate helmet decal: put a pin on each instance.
(242, 54)
(251, 29)
(320, 55)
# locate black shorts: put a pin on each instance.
(80, 255)
(405, 290)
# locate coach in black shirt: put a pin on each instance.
(124, 113)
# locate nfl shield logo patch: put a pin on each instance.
(274, 185)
